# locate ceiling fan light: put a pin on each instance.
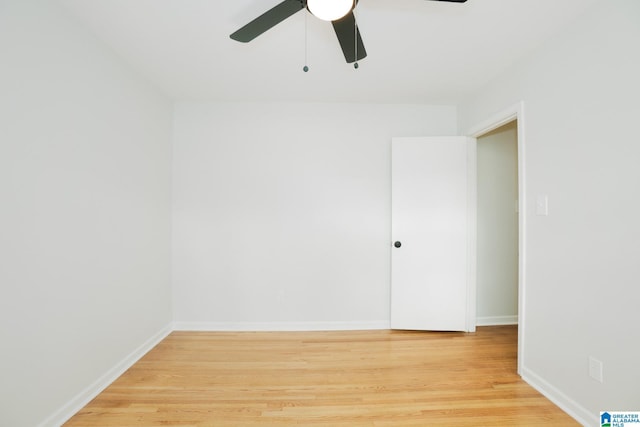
(330, 10)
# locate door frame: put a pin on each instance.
(514, 112)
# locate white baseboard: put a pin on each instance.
(497, 320)
(280, 326)
(564, 402)
(81, 399)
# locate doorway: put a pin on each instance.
(515, 113)
(497, 226)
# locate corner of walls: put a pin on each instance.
(84, 179)
(85, 396)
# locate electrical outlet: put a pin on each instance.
(595, 369)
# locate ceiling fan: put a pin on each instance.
(339, 12)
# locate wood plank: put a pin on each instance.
(354, 378)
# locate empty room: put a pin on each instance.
(267, 212)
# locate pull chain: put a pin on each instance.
(306, 67)
(355, 37)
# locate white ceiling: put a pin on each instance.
(418, 51)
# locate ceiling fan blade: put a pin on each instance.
(345, 29)
(267, 20)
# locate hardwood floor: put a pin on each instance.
(362, 378)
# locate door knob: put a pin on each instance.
(397, 244)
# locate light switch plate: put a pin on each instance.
(542, 205)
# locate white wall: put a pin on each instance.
(282, 212)
(84, 216)
(497, 225)
(581, 93)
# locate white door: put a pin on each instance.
(433, 234)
